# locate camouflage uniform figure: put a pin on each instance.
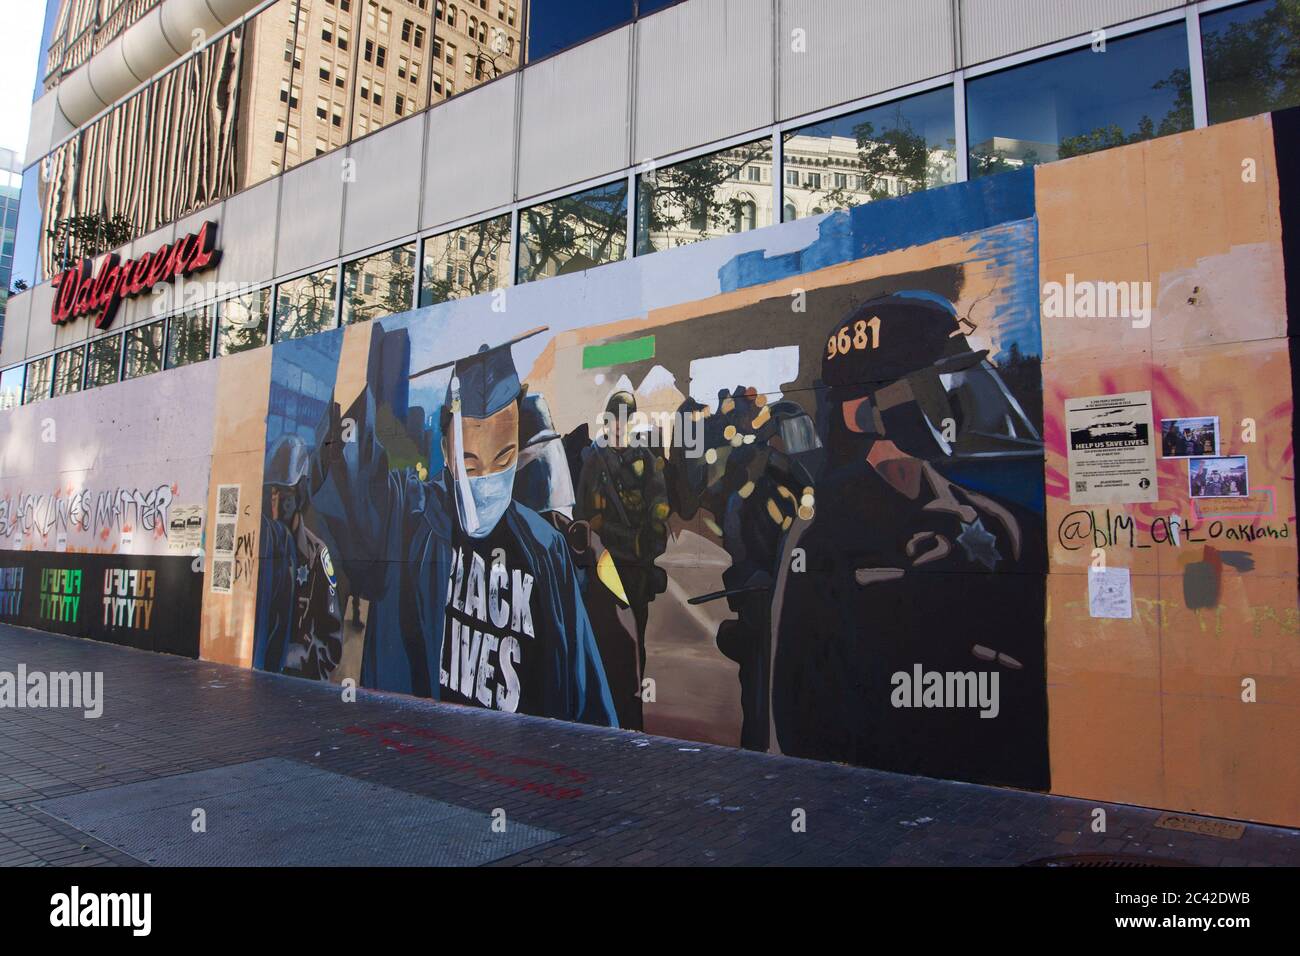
(622, 495)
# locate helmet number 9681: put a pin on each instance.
(865, 333)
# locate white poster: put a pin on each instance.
(185, 529)
(1110, 593)
(1112, 451)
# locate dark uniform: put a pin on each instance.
(909, 572)
(753, 480)
(623, 496)
(299, 627)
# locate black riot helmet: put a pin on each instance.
(285, 470)
(899, 367)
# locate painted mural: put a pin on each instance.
(804, 490)
(751, 491)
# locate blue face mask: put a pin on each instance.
(491, 494)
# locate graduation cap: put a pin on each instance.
(481, 385)
(487, 381)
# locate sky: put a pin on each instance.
(20, 42)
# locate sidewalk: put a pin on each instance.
(284, 771)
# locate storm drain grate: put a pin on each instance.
(277, 812)
(1103, 860)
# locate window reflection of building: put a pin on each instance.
(378, 285)
(11, 184)
(466, 261)
(573, 233)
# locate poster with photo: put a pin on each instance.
(1112, 450)
(1225, 477)
(1189, 437)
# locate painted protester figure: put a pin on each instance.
(910, 571)
(299, 628)
(474, 597)
(622, 494)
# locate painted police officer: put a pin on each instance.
(919, 560)
(299, 628)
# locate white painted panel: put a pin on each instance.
(574, 122)
(13, 348)
(703, 72)
(48, 124)
(469, 162)
(40, 331)
(378, 203)
(311, 210)
(834, 51)
(247, 237)
(994, 28)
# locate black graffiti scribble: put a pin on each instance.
(245, 550)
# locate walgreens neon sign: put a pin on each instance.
(82, 294)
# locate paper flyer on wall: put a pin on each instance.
(185, 529)
(1112, 451)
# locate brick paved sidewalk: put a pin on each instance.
(606, 797)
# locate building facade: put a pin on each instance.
(252, 232)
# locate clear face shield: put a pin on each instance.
(543, 481)
(959, 408)
(799, 435)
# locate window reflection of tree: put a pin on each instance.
(191, 338)
(688, 198)
(478, 252)
(242, 323)
(574, 233)
(393, 274)
(305, 305)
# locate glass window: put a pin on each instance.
(573, 233)
(1080, 102)
(11, 388)
(466, 261)
(68, 367)
(27, 239)
(305, 305)
(704, 197)
(1252, 59)
(189, 337)
(37, 385)
(102, 361)
(898, 147)
(270, 58)
(379, 285)
(555, 25)
(242, 322)
(144, 350)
